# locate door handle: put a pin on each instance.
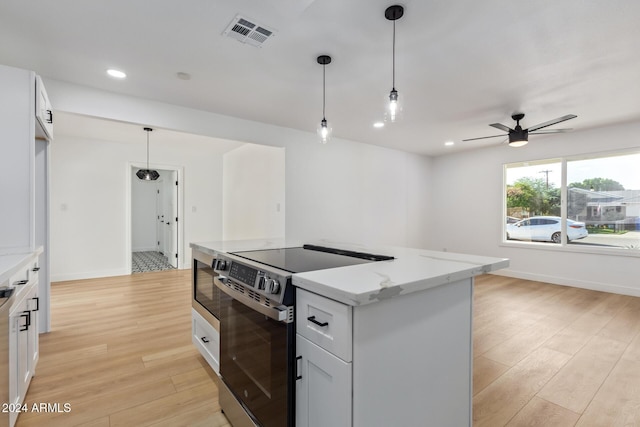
(50, 118)
(37, 303)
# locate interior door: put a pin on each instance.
(160, 215)
(172, 238)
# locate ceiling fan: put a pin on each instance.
(518, 136)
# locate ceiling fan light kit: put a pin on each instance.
(519, 137)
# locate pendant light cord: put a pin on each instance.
(393, 55)
(147, 150)
(324, 90)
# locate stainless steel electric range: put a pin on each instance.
(257, 328)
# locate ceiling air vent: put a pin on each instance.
(248, 31)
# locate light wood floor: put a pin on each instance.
(120, 354)
(549, 355)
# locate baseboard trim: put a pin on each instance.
(146, 249)
(89, 275)
(563, 281)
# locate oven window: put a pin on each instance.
(205, 291)
(254, 361)
(251, 346)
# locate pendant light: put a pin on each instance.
(393, 108)
(324, 131)
(147, 174)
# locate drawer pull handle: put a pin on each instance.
(27, 323)
(312, 319)
(21, 282)
(35, 269)
(205, 339)
(298, 377)
(37, 303)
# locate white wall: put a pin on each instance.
(143, 213)
(253, 204)
(344, 190)
(88, 206)
(352, 192)
(466, 199)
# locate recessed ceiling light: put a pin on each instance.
(448, 143)
(116, 74)
(378, 125)
(183, 76)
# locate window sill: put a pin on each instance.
(571, 248)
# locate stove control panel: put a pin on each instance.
(259, 280)
(246, 275)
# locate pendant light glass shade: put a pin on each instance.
(393, 108)
(147, 174)
(324, 130)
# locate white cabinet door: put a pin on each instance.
(323, 390)
(33, 343)
(43, 111)
(17, 123)
(21, 321)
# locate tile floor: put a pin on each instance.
(143, 262)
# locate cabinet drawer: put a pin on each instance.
(206, 339)
(26, 275)
(325, 322)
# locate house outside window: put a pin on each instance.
(594, 200)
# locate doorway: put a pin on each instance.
(155, 235)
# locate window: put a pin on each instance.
(593, 200)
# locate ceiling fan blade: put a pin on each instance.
(501, 127)
(483, 137)
(551, 122)
(542, 132)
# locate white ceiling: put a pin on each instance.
(460, 65)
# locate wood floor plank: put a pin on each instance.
(633, 351)
(485, 371)
(516, 348)
(577, 382)
(568, 340)
(617, 403)
(540, 413)
(190, 379)
(625, 325)
(157, 410)
(506, 396)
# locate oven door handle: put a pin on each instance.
(279, 313)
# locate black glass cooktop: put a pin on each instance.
(309, 258)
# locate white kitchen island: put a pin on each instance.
(384, 343)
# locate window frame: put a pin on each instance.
(564, 245)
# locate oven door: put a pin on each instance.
(256, 361)
(206, 295)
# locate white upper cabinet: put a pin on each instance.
(22, 96)
(44, 113)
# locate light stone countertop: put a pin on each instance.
(10, 264)
(412, 270)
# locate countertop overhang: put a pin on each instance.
(10, 263)
(412, 270)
